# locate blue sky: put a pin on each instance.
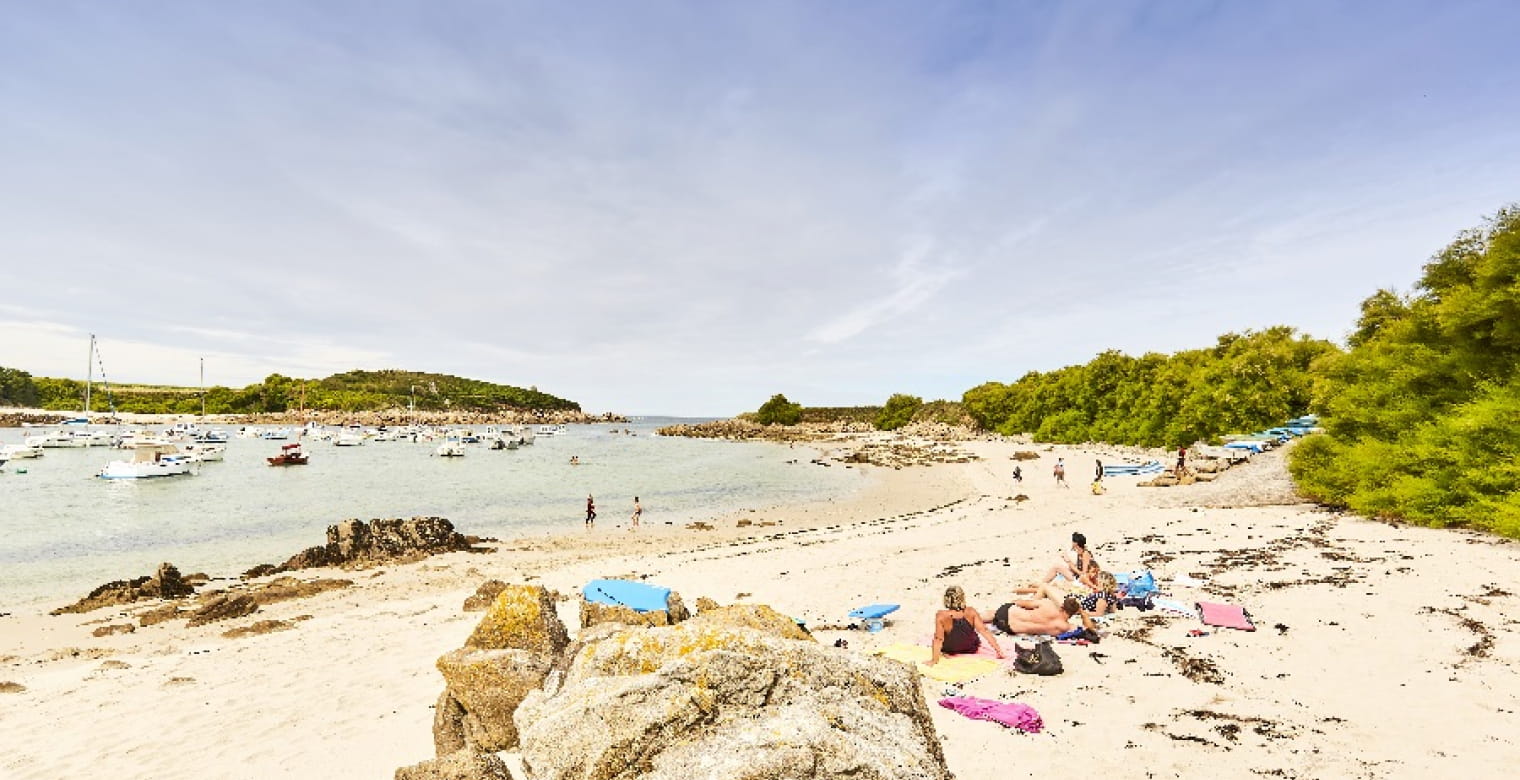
(686, 207)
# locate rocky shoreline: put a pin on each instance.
(386, 417)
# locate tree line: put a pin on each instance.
(1421, 408)
(353, 391)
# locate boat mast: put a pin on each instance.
(89, 376)
(203, 387)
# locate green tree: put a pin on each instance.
(17, 388)
(1423, 413)
(779, 411)
(897, 412)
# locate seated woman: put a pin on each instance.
(957, 626)
(1083, 570)
(1039, 616)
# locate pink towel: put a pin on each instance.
(1224, 616)
(1009, 713)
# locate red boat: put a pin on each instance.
(290, 455)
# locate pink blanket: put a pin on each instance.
(1224, 616)
(1009, 713)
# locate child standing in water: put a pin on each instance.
(590, 509)
(638, 511)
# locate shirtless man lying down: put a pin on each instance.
(1038, 616)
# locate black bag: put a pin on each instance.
(1040, 659)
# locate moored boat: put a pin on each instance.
(450, 448)
(290, 455)
(20, 452)
(152, 460)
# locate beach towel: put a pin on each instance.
(1187, 581)
(950, 669)
(1008, 713)
(1172, 605)
(983, 650)
(1225, 616)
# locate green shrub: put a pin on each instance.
(897, 412)
(779, 411)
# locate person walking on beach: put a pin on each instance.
(638, 511)
(1060, 472)
(1181, 460)
(1018, 475)
(590, 509)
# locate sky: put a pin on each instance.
(684, 208)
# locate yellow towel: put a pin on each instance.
(950, 669)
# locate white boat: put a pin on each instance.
(205, 453)
(214, 436)
(133, 439)
(249, 432)
(149, 461)
(183, 430)
(349, 439)
(19, 452)
(276, 434)
(58, 440)
(550, 430)
(450, 448)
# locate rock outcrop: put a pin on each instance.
(734, 696)
(510, 653)
(166, 583)
(459, 765)
(595, 614)
(224, 606)
(484, 596)
(357, 544)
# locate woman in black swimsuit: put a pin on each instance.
(957, 628)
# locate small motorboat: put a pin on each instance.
(349, 439)
(205, 453)
(150, 460)
(450, 448)
(290, 455)
(19, 452)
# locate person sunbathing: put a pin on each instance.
(957, 626)
(1039, 616)
(1083, 570)
(1101, 600)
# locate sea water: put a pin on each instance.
(63, 530)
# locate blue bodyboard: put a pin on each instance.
(874, 611)
(626, 593)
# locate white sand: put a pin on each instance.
(1366, 682)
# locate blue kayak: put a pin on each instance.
(625, 593)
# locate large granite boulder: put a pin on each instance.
(486, 686)
(706, 699)
(460, 765)
(511, 651)
(596, 614)
(521, 618)
(166, 583)
(355, 543)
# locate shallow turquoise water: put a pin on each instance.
(64, 531)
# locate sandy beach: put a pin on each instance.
(1381, 650)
